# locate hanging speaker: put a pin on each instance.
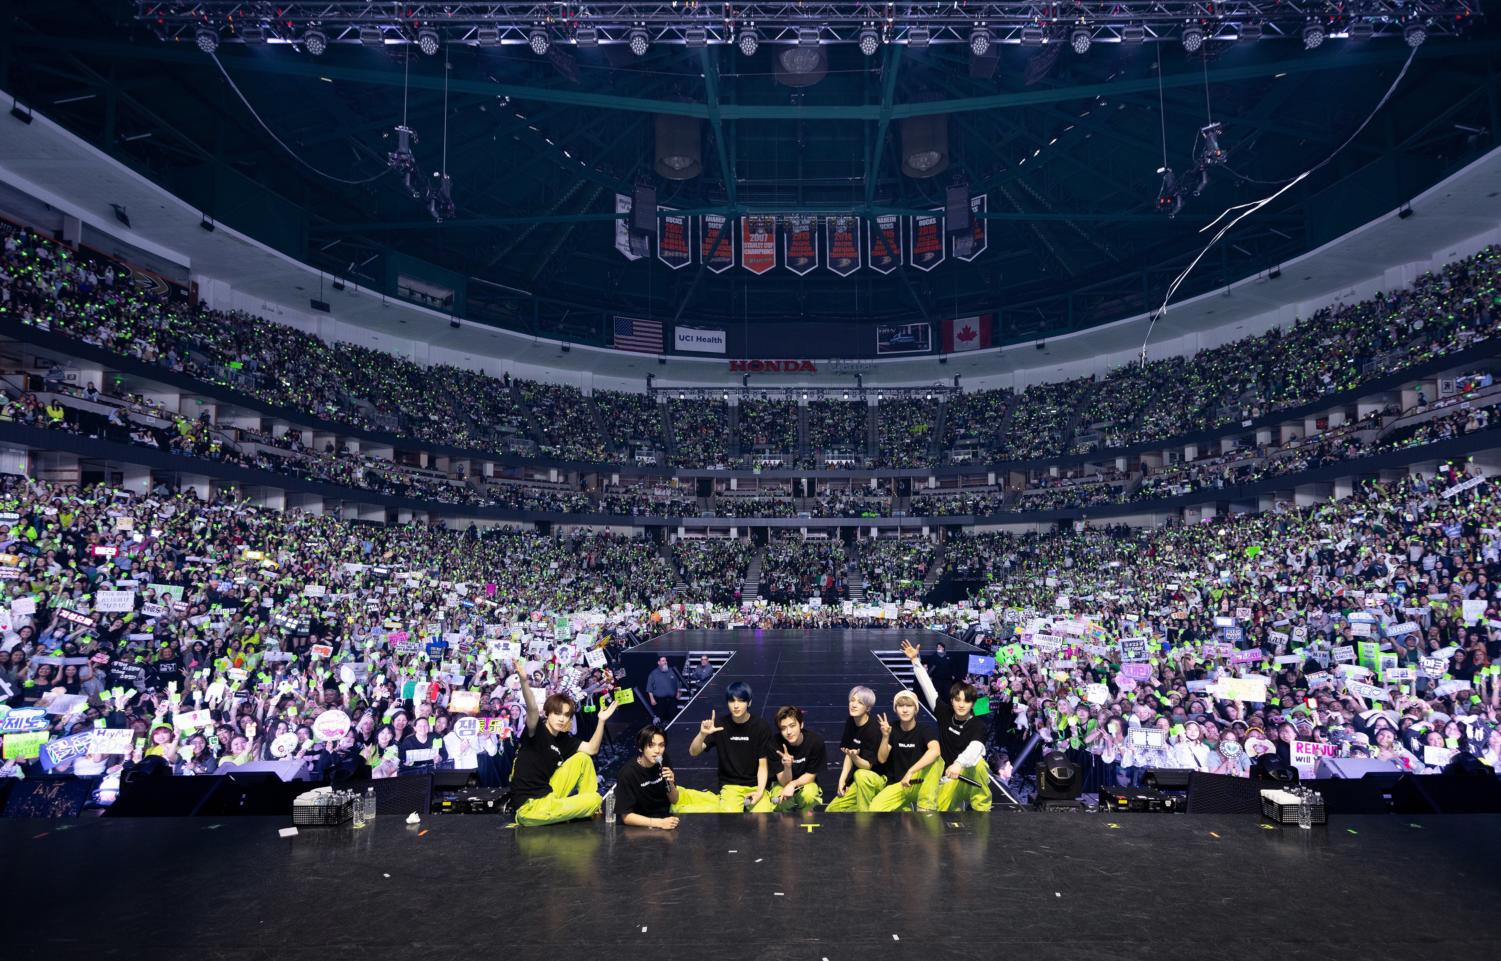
(644, 208)
(925, 145)
(679, 147)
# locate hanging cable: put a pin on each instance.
(1247, 209)
(446, 68)
(281, 143)
(1161, 109)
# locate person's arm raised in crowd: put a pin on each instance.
(705, 729)
(591, 746)
(923, 681)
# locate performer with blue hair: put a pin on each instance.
(743, 746)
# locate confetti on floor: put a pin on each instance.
(1057, 894)
(777, 894)
(895, 938)
(643, 929)
(423, 832)
(1112, 825)
(1352, 830)
(1418, 826)
(759, 860)
(1213, 835)
(1267, 827)
(385, 875)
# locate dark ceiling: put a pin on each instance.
(1067, 148)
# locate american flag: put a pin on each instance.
(643, 336)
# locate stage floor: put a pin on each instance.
(757, 887)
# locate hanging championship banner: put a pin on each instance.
(886, 244)
(842, 245)
(925, 240)
(971, 245)
(716, 243)
(674, 240)
(623, 229)
(800, 243)
(758, 243)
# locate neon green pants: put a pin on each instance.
(732, 800)
(807, 797)
(696, 802)
(895, 797)
(574, 794)
(940, 795)
(863, 788)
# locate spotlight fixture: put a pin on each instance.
(537, 40)
(1133, 33)
(1414, 34)
(427, 41)
(1313, 36)
(372, 36)
(979, 41)
(1033, 37)
(587, 37)
(870, 41)
(696, 37)
(1193, 39)
(748, 40)
(639, 41)
(807, 37)
(207, 39)
(315, 42)
(1081, 40)
(918, 37)
(487, 36)
(1361, 30)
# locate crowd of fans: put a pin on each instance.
(795, 569)
(768, 426)
(713, 570)
(838, 427)
(894, 570)
(906, 431)
(565, 420)
(700, 432)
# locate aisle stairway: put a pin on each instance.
(896, 662)
(750, 590)
(935, 572)
(854, 579)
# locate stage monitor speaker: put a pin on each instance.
(403, 795)
(1354, 767)
(251, 794)
(956, 211)
(1223, 794)
(47, 797)
(644, 209)
(1167, 778)
(161, 795)
(1446, 794)
(1364, 795)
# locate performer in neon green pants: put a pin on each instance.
(743, 746)
(802, 758)
(647, 793)
(909, 752)
(860, 779)
(552, 779)
(961, 742)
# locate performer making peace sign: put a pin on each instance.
(801, 756)
(743, 746)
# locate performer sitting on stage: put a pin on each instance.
(647, 793)
(908, 751)
(802, 758)
(860, 779)
(964, 775)
(743, 748)
(553, 777)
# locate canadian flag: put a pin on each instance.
(966, 333)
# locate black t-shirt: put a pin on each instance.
(427, 752)
(538, 755)
(866, 740)
(907, 748)
(807, 757)
(954, 736)
(739, 747)
(642, 790)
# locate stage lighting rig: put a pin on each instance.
(207, 39)
(979, 41)
(1313, 36)
(315, 42)
(1169, 195)
(427, 41)
(1193, 39)
(639, 41)
(748, 40)
(1211, 154)
(404, 163)
(1080, 40)
(870, 41)
(440, 198)
(537, 40)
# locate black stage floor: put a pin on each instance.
(757, 888)
(811, 669)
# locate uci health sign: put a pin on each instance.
(699, 340)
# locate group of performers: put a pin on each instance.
(901, 766)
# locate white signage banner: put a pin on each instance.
(699, 340)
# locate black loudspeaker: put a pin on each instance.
(47, 797)
(403, 795)
(1356, 795)
(1446, 794)
(705, 487)
(956, 210)
(161, 795)
(252, 794)
(1223, 794)
(644, 209)
(1168, 778)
